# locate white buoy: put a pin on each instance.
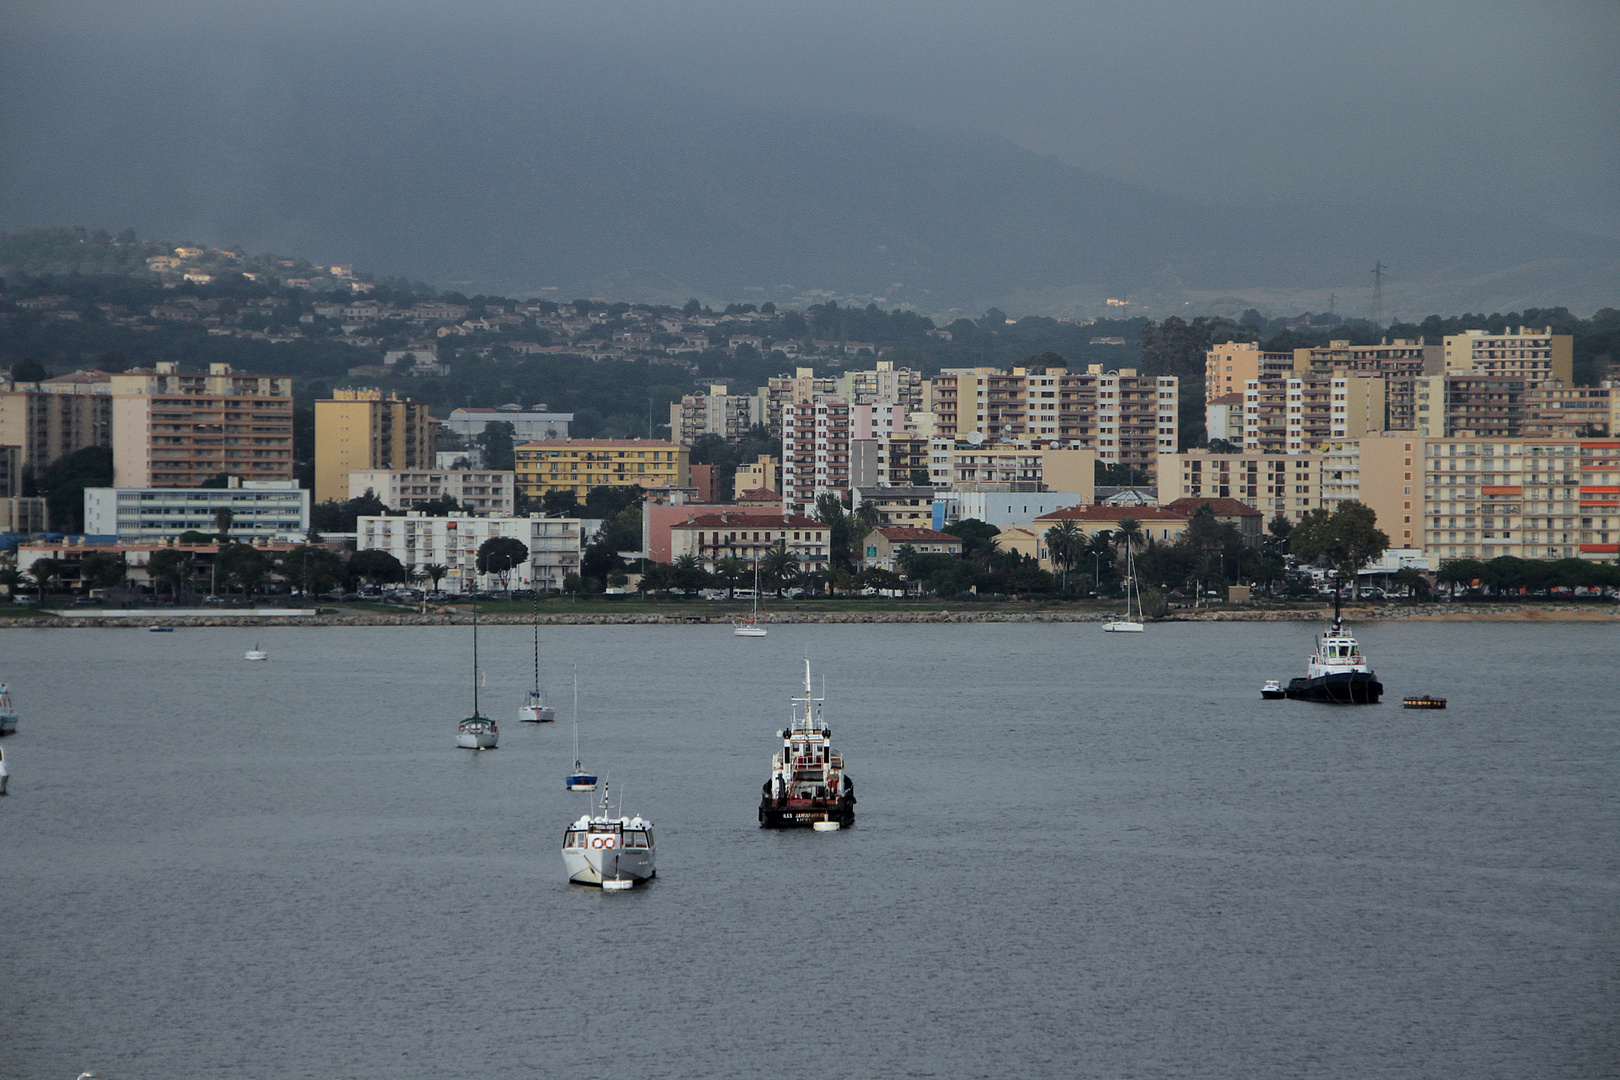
(827, 826)
(617, 884)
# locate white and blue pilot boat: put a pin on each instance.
(613, 851)
(1337, 673)
(8, 712)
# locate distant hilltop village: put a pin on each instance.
(851, 440)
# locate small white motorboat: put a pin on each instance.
(256, 653)
(8, 712)
(613, 852)
(1272, 690)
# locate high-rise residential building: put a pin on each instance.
(1480, 498)
(1223, 418)
(1554, 410)
(49, 420)
(532, 425)
(1228, 367)
(1127, 417)
(1285, 484)
(17, 514)
(815, 452)
(477, 491)
(1297, 414)
(782, 390)
(578, 465)
(1532, 355)
(885, 382)
(368, 430)
(718, 412)
(1469, 404)
(987, 466)
(178, 429)
(899, 459)
(1398, 359)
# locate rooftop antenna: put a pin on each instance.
(1378, 292)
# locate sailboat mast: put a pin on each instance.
(537, 642)
(576, 716)
(475, 654)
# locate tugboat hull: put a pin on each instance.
(805, 813)
(1339, 688)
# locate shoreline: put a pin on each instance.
(1418, 613)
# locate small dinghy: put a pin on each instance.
(256, 653)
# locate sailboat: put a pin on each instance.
(476, 732)
(535, 710)
(750, 626)
(256, 653)
(579, 779)
(1133, 591)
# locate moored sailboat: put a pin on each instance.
(579, 779)
(1133, 592)
(750, 626)
(535, 710)
(477, 732)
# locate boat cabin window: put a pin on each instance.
(574, 839)
(635, 839)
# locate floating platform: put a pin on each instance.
(1423, 701)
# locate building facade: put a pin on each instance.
(1532, 355)
(532, 426)
(1553, 410)
(260, 510)
(815, 452)
(178, 429)
(452, 542)
(1285, 484)
(883, 543)
(49, 420)
(366, 430)
(1229, 367)
(481, 492)
(718, 412)
(578, 465)
(738, 535)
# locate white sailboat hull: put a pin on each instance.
(536, 714)
(591, 867)
(1120, 626)
(748, 631)
(477, 740)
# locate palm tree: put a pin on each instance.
(689, 573)
(435, 573)
(780, 568)
(1065, 542)
(731, 570)
(904, 556)
(223, 519)
(1129, 533)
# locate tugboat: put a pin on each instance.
(807, 785)
(1338, 673)
(613, 852)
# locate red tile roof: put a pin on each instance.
(1223, 507)
(899, 535)
(1114, 513)
(748, 521)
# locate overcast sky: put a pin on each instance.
(1477, 105)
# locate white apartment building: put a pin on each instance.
(532, 426)
(1006, 509)
(743, 535)
(452, 542)
(815, 452)
(484, 492)
(719, 412)
(260, 510)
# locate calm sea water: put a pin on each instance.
(1076, 854)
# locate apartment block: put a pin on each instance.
(452, 542)
(1286, 484)
(885, 382)
(1296, 415)
(1469, 404)
(796, 389)
(481, 492)
(1381, 472)
(1540, 499)
(891, 461)
(1398, 359)
(1532, 355)
(578, 465)
(738, 535)
(815, 452)
(260, 510)
(178, 429)
(761, 475)
(718, 412)
(912, 507)
(1223, 418)
(1553, 410)
(366, 430)
(533, 425)
(968, 466)
(1229, 367)
(49, 420)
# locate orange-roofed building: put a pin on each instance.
(881, 544)
(744, 535)
(1158, 523)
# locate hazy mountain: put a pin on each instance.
(590, 191)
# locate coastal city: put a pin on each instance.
(848, 472)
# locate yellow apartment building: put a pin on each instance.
(49, 420)
(1229, 366)
(177, 429)
(578, 465)
(365, 430)
(1286, 484)
(1531, 355)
